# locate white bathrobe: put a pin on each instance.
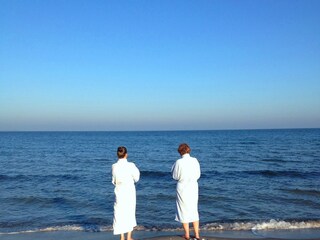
(124, 175)
(186, 171)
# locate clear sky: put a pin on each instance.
(159, 64)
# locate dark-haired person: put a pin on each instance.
(186, 171)
(124, 176)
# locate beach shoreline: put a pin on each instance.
(162, 235)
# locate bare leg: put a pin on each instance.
(129, 235)
(196, 229)
(186, 230)
(122, 236)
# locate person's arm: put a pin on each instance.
(198, 170)
(135, 173)
(113, 176)
(176, 174)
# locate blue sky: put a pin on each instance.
(159, 65)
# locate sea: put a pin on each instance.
(250, 179)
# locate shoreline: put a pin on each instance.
(301, 234)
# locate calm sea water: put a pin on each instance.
(251, 179)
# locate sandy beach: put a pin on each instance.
(144, 235)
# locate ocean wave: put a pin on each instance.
(269, 173)
(11, 177)
(232, 226)
(39, 200)
(275, 160)
(275, 225)
(162, 174)
(34, 177)
(248, 143)
(155, 174)
(266, 225)
(50, 229)
(22, 177)
(264, 173)
(297, 191)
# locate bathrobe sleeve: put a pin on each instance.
(113, 175)
(176, 171)
(135, 173)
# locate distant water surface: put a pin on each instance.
(251, 179)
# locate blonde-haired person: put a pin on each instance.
(186, 171)
(124, 176)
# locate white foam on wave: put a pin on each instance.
(235, 226)
(63, 228)
(268, 225)
(273, 224)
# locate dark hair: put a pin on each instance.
(122, 151)
(184, 148)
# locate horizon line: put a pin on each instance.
(177, 130)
